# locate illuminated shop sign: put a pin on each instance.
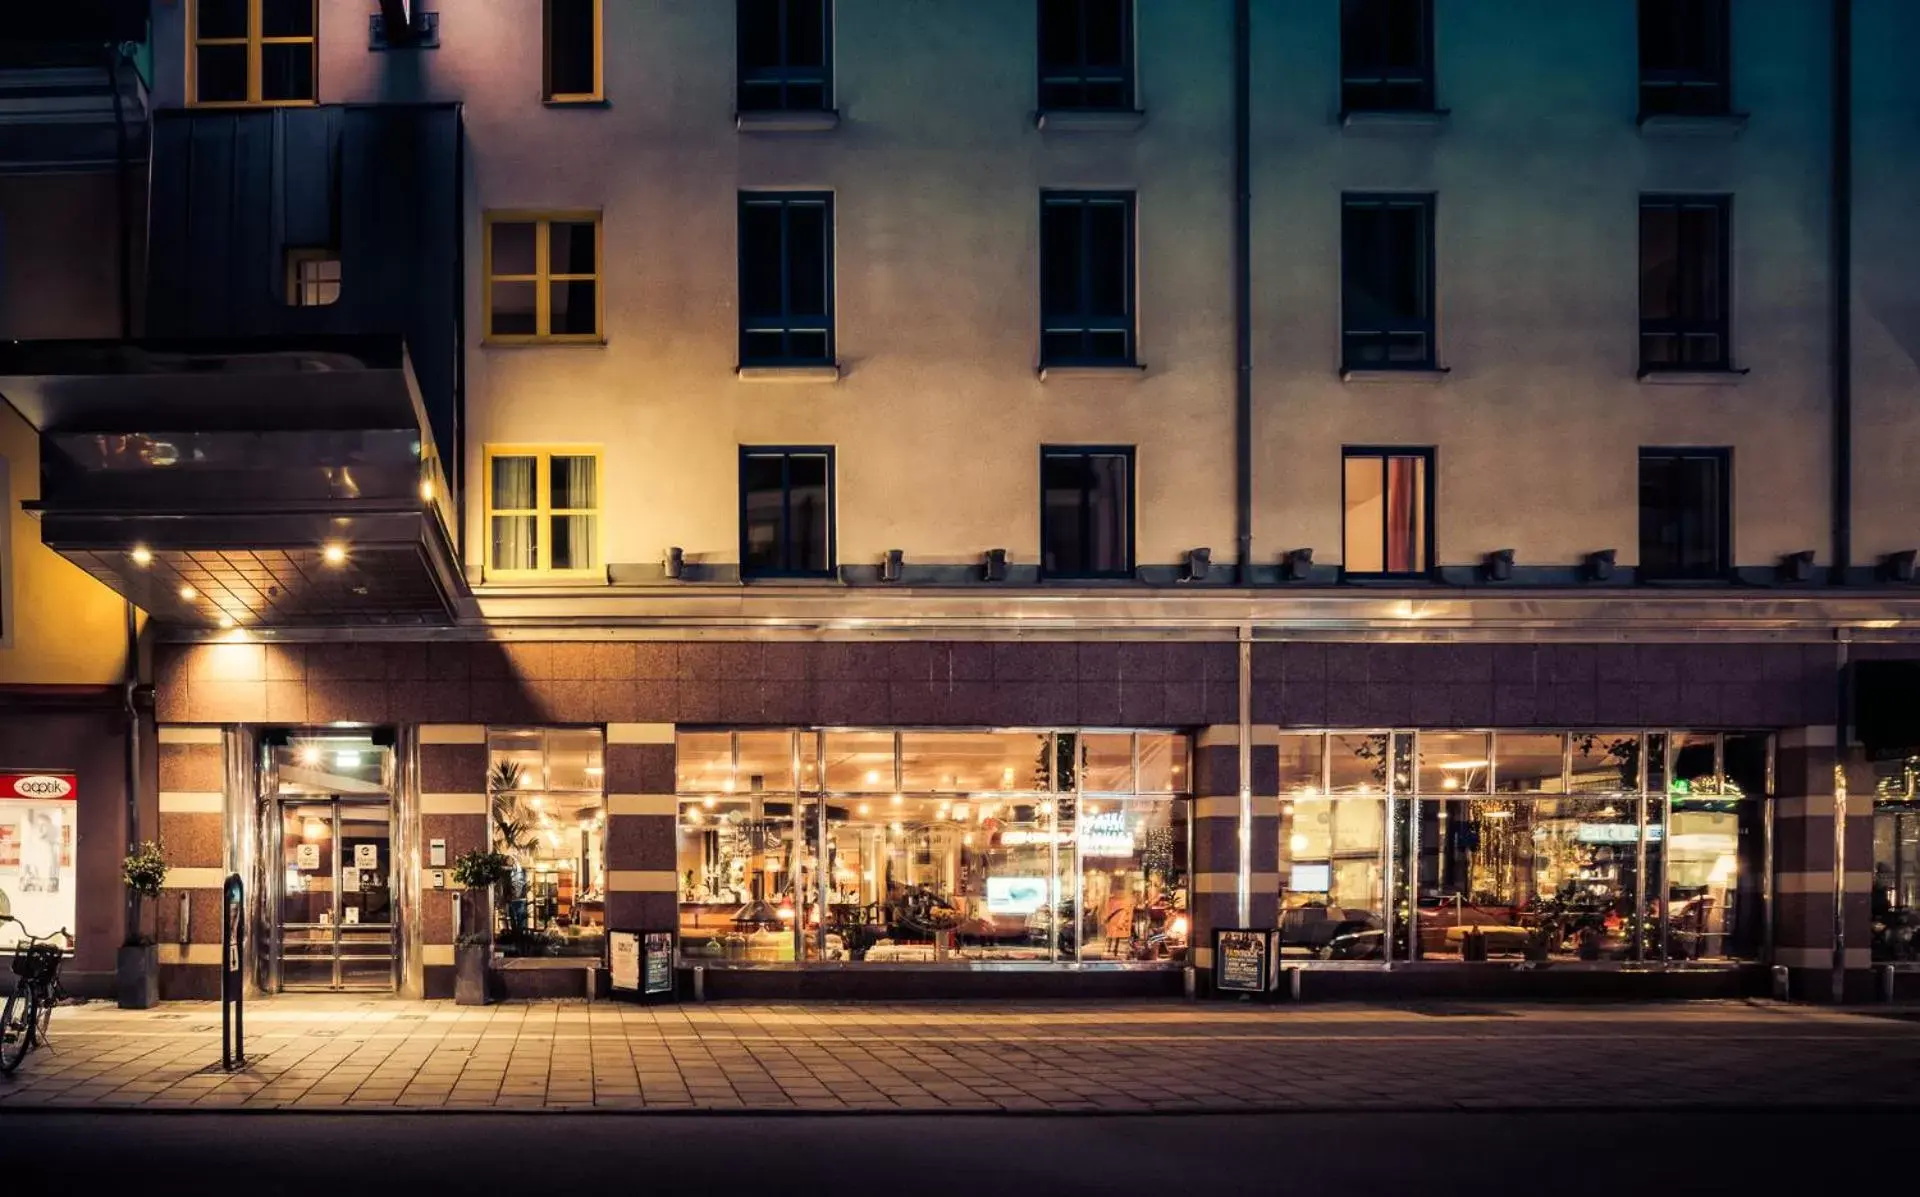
(37, 787)
(1614, 833)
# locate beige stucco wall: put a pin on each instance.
(936, 171)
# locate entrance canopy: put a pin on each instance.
(260, 483)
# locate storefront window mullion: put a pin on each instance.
(1666, 849)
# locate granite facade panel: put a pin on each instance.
(194, 839)
(192, 768)
(642, 912)
(640, 768)
(641, 842)
(453, 768)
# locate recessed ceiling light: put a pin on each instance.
(426, 491)
(142, 555)
(189, 593)
(226, 621)
(334, 554)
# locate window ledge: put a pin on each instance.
(576, 102)
(1722, 124)
(1106, 373)
(827, 373)
(1427, 374)
(1692, 378)
(1419, 121)
(779, 121)
(1072, 120)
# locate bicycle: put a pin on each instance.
(29, 1009)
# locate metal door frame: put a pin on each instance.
(334, 803)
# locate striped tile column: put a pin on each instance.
(1810, 783)
(453, 807)
(186, 919)
(642, 884)
(1216, 835)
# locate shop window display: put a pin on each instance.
(547, 792)
(1584, 846)
(937, 847)
(1896, 862)
(36, 853)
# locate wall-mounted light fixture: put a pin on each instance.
(1898, 567)
(892, 565)
(1797, 567)
(1298, 564)
(1199, 562)
(675, 563)
(1499, 565)
(996, 565)
(1600, 564)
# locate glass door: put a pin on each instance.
(334, 924)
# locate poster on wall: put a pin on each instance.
(623, 961)
(36, 851)
(306, 857)
(366, 856)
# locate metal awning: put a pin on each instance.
(259, 483)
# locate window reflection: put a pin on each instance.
(1896, 862)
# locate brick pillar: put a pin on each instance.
(1809, 782)
(192, 770)
(453, 807)
(642, 881)
(1216, 836)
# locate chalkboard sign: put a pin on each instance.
(657, 951)
(1242, 960)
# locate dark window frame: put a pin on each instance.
(1682, 327)
(786, 76)
(1083, 322)
(787, 322)
(1427, 325)
(1428, 492)
(1721, 569)
(1081, 74)
(786, 454)
(1379, 73)
(598, 92)
(1700, 90)
(1086, 452)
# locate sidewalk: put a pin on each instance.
(347, 1054)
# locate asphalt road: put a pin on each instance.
(1322, 1155)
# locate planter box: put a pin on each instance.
(137, 977)
(470, 974)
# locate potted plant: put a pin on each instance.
(477, 872)
(138, 973)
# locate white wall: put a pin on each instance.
(937, 168)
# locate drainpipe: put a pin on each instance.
(1840, 202)
(123, 217)
(1243, 286)
(129, 689)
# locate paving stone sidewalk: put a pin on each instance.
(353, 1055)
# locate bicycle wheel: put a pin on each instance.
(17, 1026)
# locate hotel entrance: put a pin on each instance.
(331, 905)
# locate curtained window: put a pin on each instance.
(543, 511)
(1388, 524)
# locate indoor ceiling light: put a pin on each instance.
(1464, 765)
(226, 621)
(142, 555)
(310, 754)
(426, 490)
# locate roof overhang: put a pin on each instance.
(258, 483)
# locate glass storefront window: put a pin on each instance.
(1333, 877)
(36, 858)
(703, 763)
(960, 846)
(1455, 762)
(328, 763)
(1357, 763)
(547, 788)
(1526, 763)
(1896, 863)
(1605, 762)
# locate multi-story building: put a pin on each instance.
(995, 493)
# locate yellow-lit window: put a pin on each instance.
(252, 51)
(543, 277)
(313, 278)
(573, 59)
(543, 510)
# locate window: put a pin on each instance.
(1684, 507)
(1086, 278)
(786, 512)
(1389, 501)
(1684, 253)
(1386, 282)
(548, 788)
(785, 58)
(1386, 55)
(1086, 54)
(904, 847)
(38, 821)
(252, 51)
(543, 277)
(1683, 58)
(573, 61)
(313, 278)
(1086, 512)
(786, 279)
(543, 510)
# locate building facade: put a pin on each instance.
(935, 497)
